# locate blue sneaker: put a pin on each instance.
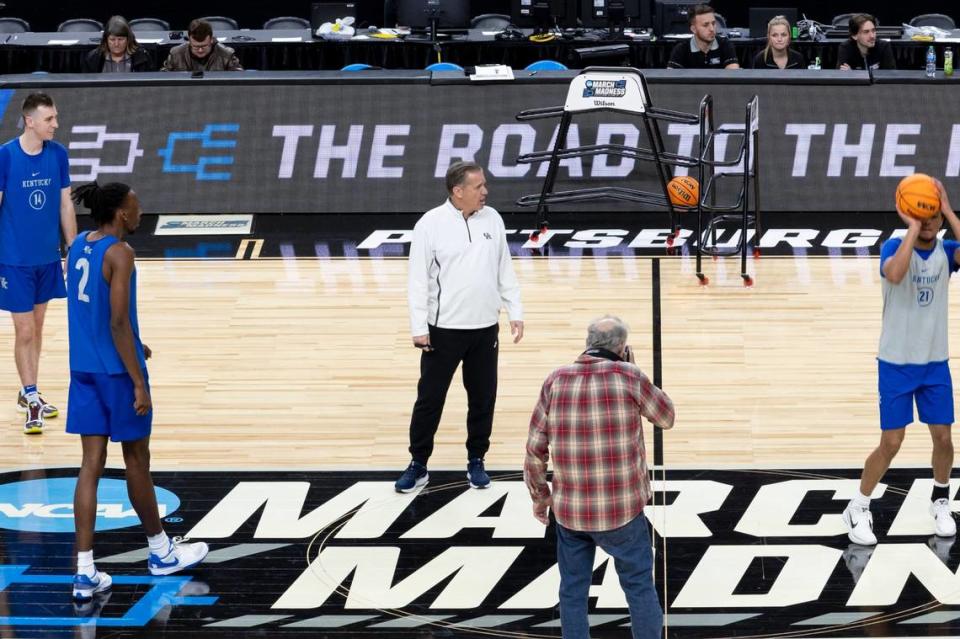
(180, 556)
(412, 478)
(476, 474)
(84, 588)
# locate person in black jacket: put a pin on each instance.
(864, 47)
(778, 54)
(118, 51)
(704, 50)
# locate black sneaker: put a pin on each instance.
(476, 474)
(412, 478)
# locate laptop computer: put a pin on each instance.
(761, 16)
(321, 12)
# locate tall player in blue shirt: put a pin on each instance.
(912, 362)
(109, 387)
(34, 206)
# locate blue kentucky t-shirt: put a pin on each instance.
(30, 209)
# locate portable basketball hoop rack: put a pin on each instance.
(624, 90)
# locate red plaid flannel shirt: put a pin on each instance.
(588, 416)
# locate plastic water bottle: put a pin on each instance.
(931, 62)
(948, 62)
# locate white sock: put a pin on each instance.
(861, 501)
(85, 564)
(31, 395)
(159, 544)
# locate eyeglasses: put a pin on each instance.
(200, 46)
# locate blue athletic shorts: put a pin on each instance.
(23, 287)
(931, 386)
(101, 404)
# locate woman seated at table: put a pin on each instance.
(778, 54)
(118, 52)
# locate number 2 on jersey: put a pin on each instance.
(83, 265)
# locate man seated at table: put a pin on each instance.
(704, 50)
(201, 52)
(864, 47)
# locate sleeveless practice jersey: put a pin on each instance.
(88, 308)
(30, 209)
(915, 310)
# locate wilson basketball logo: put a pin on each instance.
(683, 190)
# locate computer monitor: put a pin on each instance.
(672, 16)
(543, 14)
(615, 13)
(760, 16)
(445, 14)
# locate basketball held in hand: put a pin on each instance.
(684, 191)
(918, 196)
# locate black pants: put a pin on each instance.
(477, 349)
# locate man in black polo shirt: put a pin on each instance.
(864, 47)
(704, 50)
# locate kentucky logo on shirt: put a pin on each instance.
(925, 279)
(3, 283)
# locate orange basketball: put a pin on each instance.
(684, 190)
(918, 196)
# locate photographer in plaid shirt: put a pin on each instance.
(588, 416)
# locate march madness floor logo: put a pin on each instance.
(747, 552)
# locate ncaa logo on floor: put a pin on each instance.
(46, 505)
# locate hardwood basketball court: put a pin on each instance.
(308, 363)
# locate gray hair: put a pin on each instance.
(457, 173)
(607, 332)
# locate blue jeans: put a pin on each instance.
(629, 546)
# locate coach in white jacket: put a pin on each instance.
(460, 276)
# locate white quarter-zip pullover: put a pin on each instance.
(460, 273)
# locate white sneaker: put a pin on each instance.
(179, 557)
(943, 518)
(859, 523)
(84, 588)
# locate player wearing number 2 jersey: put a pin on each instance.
(109, 390)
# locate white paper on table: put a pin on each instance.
(492, 72)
